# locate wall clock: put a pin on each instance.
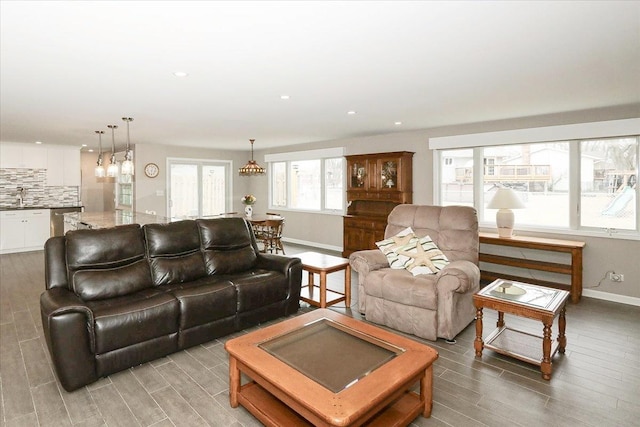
(151, 170)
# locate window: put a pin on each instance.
(198, 188)
(571, 184)
(608, 183)
(307, 181)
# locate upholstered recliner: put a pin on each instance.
(430, 306)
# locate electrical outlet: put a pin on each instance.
(616, 277)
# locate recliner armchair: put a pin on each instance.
(429, 306)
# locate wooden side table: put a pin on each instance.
(574, 269)
(533, 302)
(322, 264)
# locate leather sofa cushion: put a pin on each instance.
(99, 284)
(104, 248)
(124, 321)
(204, 301)
(174, 252)
(259, 288)
(227, 245)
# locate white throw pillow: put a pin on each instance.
(422, 256)
(390, 245)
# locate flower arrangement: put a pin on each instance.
(248, 199)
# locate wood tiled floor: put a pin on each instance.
(596, 383)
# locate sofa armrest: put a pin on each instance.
(465, 273)
(364, 262)
(291, 267)
(69, 332)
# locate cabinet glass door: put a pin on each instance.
(357, 174)
(388, 174)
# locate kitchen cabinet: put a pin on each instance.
(376, 183)
(23, 230)
(22, 156)
(63, 167)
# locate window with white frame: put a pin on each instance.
(307, 180)
(571, 183)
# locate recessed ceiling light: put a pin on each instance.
(38, 142)
(285, 97)
(351, 113)
(84, 145)
(180, 74)
(397, 123)
(91, 150)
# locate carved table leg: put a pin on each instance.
(477, 343)
(545, 366)
(500, 322)
(562, 325)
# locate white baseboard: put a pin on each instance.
(607, 296)
(312, 244)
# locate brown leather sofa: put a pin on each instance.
(122, 296)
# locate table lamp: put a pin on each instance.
(504, 200)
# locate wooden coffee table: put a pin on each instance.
(326, 369)
(526, 300)
(322, 264)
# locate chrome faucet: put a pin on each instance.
(21, 193)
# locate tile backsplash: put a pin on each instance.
(37, 193)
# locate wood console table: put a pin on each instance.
(553, 245)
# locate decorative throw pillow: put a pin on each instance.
(423, 256)
(390, 245)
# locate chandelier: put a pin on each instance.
(112, 170)
(99, 168)
(127, 164)
(251, 168)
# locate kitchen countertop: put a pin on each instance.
(113, 218)
(24, 208)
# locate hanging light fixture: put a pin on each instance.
(112, 170)
(99, 168)
(127, 164)
(251, 168)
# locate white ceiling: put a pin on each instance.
(69, 68)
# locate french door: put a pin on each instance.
(198, 188)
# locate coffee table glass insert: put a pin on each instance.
(523, 293)
(333, 355)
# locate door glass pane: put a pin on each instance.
(456, 177)
(305, 184)
(333, 184)
(279, 184)
(608, 183)
(539, 173)
(184, 190)
(214, 192)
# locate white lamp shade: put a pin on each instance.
(505, 198)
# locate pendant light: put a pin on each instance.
(251, 168)
(99, 168)
(127, 164)
(112, 170)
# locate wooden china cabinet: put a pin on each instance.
(376, 183)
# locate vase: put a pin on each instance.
(248, 211)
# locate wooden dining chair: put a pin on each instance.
(271, 236)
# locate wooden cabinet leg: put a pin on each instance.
(500, 322)
(478, 344)
(545, 365)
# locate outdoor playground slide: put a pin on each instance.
(619, 203)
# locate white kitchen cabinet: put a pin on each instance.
(22, 156)
(63, 166)
(24, 230)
